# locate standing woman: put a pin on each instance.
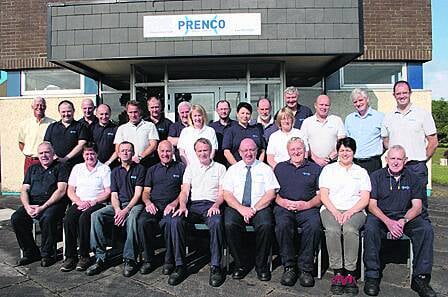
(345, 192)
(277, 151)
(237, 132)
(197, 119)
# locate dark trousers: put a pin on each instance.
(149, 226)
(77, 222)
(22, 224)
(286, 223)
(372, 164)
(420, 169)
(263, 222)
(419, 230)
(197, 213)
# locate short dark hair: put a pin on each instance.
(133, 103)
(245, 105)
(347, 142)
(223, 101)
(402, 82)
(127, 142)
(90, 145)
(66, 102)
(203, 141)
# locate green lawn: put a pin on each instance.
(439, 173)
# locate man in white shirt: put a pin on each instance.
(249, 188)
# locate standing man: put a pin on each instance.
(204, 181)
(67, 136)
(88, 113)
(265, 119)
(223, 110)
(301, 112)
(297, 205)
(157, 118)
(414, 129)
(322, 131)
(162, 188)
(183, 110)
(41, 196)
(364, 126)
(103, 132)
(32, 131)
(395, 207)
(126, 186)
(142, 134)
(249, 188)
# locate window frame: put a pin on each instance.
(50, 92)
(344, 85)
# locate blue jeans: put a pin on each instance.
(104, 218)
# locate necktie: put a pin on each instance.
(247, 188)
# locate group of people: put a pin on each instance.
(290, 178)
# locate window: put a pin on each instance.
(377, 75)
(51, 81)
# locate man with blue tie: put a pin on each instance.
(249, 188)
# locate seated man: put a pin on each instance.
(126, 187)
(162, 187)
(204, 180)
(395, 207)
(42, 193)
(88, 189)
(297, 205)
(249, 188)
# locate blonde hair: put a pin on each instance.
(282, 113)
(201, 110)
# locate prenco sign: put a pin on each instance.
(202, 25)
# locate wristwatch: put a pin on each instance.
(405, 220)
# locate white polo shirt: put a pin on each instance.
(204, 181)
(263, 180)
(89, 184)
(278, 141)
(188, 137)
(344, 186)
(139, 135)
(409, 130)
(323, 136)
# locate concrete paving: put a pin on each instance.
(33, 280)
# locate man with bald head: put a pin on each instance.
(32, 132)
(249, 188)
(322, 131)
(103, 134)
(160, 197)
(88, 113)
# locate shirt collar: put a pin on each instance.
(368, 113)
(271, 121)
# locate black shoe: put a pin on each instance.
(372, 286)
(289, 277)
(83, 264)
(167, 269)
(69, 264)
(420, 284)
(306, 279)
(47, 261)
(350, 285)
(129, 268)
(216, 276)
(95, 268)
(179, 274)
(337, 284)
(239, 273)
(146, 268)
(264, 276)
(25, 260)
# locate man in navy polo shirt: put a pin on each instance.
(67, 135)
(183, 110)
(162, 187)
(126, 190)
(301, 112)
(88, 113)
(223, 110)
(395, 207)
(157, 118)
(297, 205)
(103, 135)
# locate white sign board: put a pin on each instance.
(201, 25)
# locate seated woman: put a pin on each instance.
(345, 191)
(276, 151)
(197, 119)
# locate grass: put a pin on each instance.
(439, 173)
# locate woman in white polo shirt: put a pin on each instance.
(345, 191)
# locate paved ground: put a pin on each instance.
(33, 280)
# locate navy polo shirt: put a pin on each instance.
(64, 139)
(302, 113)
(44, 182)
(124, 182)
(165, 181)
(163, 127)
(175, 129)
(219, 130)
(394, 197)
(104, 136)
(85, 123)
(236, 133)
(298, 183)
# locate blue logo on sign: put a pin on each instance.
(201, 24)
